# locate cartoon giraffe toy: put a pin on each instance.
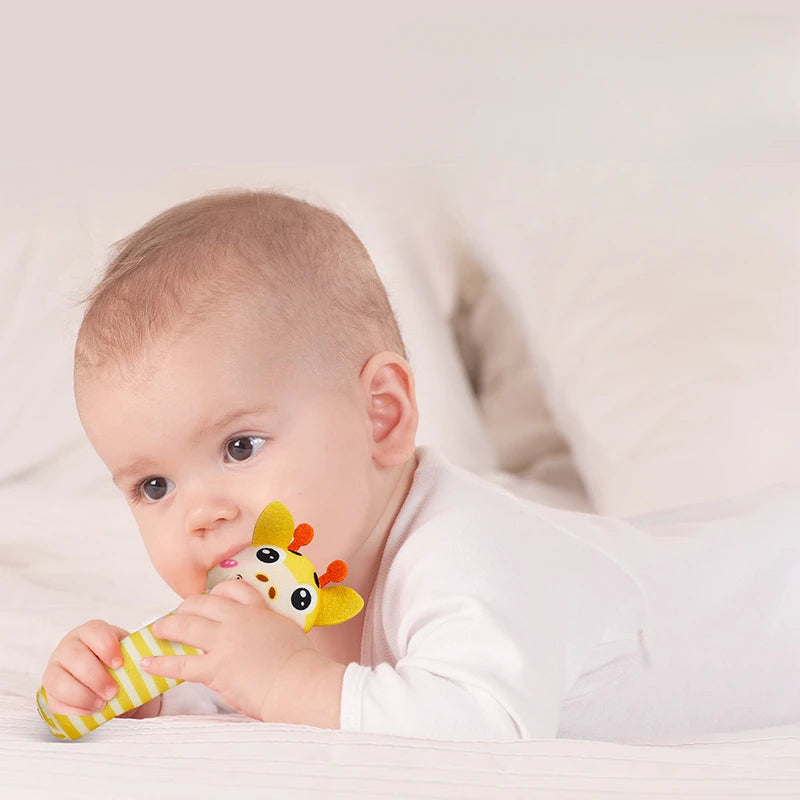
(272, 564)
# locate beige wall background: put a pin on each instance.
(417, 82)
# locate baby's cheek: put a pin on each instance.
(182, 577)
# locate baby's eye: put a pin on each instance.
(156, 488)
(243, 447)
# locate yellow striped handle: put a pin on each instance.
(136, 686)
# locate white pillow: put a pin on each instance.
(40, 259)
(661, 305)
(55, 238)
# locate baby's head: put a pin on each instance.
(240, 349)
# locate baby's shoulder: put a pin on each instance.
(457, 526)
(455, 520)
(447, 502)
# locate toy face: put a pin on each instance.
(285, 579)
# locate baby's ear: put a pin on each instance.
(388, 385)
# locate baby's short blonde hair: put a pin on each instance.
(303, 267)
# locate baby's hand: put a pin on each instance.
(75, 679)
(246, 646)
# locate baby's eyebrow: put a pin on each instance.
(225, 420)
(134, 468)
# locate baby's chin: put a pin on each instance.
(187, 586)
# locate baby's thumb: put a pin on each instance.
(240, 591)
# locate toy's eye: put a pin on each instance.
(304, 598)
(270, 555)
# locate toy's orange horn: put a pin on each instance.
(303, 534)
(337, 571)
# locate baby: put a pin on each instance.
(240, 349)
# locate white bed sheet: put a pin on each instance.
(52, 546)
(209, 757)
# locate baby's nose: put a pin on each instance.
(206, 514)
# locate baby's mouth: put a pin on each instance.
(227, 560)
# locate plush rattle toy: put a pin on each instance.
(273, 564)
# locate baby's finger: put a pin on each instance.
(84, 665)
(240, 591)
(209, 606)
(62, 708)
(67, 695)
(182, 667)
(103, 640)
(196, 631)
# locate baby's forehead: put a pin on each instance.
(216, 367)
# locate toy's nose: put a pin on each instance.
(262, 577)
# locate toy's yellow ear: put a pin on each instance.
(338, 604)
(274, 526)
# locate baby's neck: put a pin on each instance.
(364, 565)
(343, 642)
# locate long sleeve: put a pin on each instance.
(414, 702)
